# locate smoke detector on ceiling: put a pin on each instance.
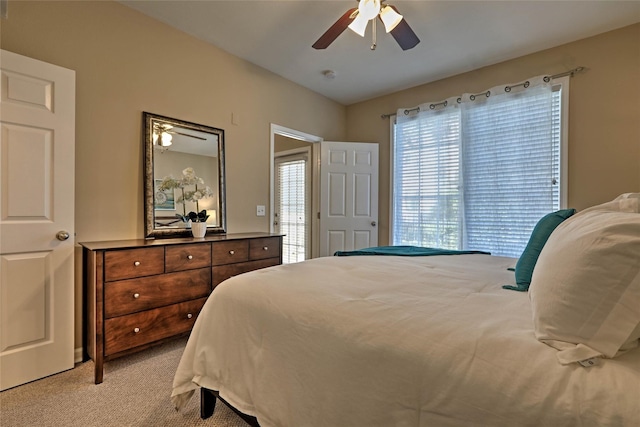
(329, 74)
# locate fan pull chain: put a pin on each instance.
(373, 34)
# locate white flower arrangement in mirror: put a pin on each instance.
(199, 191)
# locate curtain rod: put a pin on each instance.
(444, 103)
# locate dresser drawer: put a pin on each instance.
(187, 257)
(130, 263)
(230, 251)
(223, 272)
(264, 248)
(125, 332)
(134, 295)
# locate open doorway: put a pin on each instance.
(294, 191)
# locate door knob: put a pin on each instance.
(62, 235)
(373, 223)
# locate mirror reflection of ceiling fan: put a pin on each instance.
(357, 19)
(162, 134)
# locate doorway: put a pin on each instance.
(294, 208)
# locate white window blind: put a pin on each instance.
(478, 174)
(426, 202)
(291, 208)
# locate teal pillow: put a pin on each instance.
(539, 236)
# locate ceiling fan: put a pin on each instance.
(357, 19)
(162, 134)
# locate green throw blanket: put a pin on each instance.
(405, 251)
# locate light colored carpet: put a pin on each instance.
(136, 392)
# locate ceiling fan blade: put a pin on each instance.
(186, 134)
(404, 35)
(335, 30)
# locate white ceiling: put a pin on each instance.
(456, 36)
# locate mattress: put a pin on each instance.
(394, 341)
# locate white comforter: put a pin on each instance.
(394, 341)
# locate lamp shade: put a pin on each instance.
(390, 18)
(359, 25)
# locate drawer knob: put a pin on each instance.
(136, 330)
(136, 295)
(189, 256)
(232, 252)
(266, 248)
(189, 316)
(137, 263)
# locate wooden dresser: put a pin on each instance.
(139, 293)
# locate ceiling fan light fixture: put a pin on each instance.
(359, 25)
(165, 139)
(390, 18)
(369, 9)
(357, 18)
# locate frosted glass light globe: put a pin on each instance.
(369, 9)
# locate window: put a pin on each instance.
(479, 173)
(291, 215)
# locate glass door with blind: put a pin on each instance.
(292, 214)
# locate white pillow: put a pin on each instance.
(627, 202)
(585, 289)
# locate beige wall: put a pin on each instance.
(282, 143)
(604, 118)
(127, 63)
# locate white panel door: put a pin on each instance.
(37, 143)
(348, 196)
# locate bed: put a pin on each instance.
(429, 340)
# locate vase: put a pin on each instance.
(198, 229)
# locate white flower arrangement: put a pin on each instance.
(188, 179)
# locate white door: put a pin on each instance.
(37, 140)
(348, 196)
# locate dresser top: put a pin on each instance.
(137, 243)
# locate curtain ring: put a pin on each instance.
(433, 106)
(473, 97)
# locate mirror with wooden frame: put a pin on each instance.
(183, 176)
